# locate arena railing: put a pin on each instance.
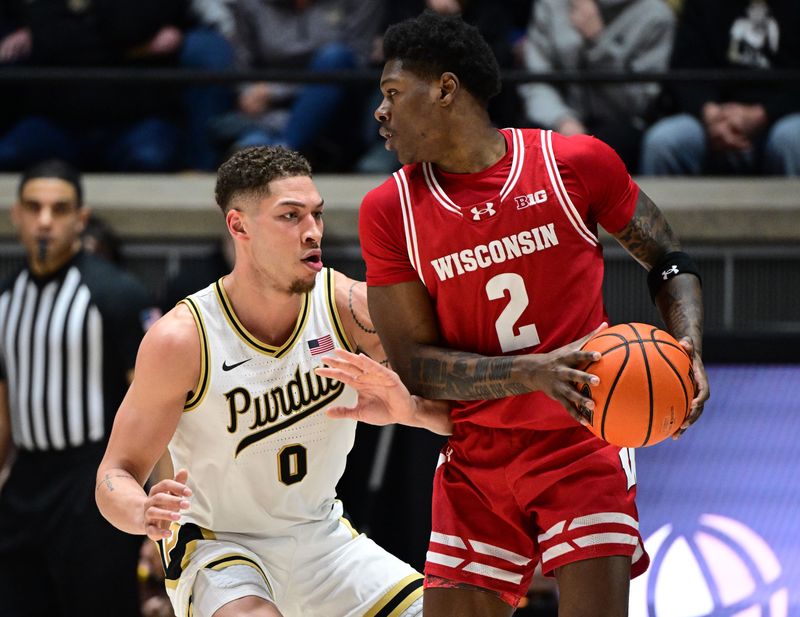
(30, 74)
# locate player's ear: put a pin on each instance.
(235, 223)
(448, 86)
(84, 213)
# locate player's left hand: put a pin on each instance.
(164, 503)
(701, 387)
(382, 397)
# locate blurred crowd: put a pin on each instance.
(675, 128)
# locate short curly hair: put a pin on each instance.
(252, 169)
(431, 44)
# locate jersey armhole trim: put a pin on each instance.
(571, 212)
(409, 224)
(205, 360)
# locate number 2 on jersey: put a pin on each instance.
(496, 289)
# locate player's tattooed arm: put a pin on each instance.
(648, 236)
(464, 376)
(351, 303)
(680, 303)
(107, 480)
(405, 320)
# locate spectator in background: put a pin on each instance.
(217, 14)
(731, 127)
(71, 324)
(14, 42)
(15, 37)
(99, 126)
(206, 46)
(119, 127)
(317, 35)
(597, 35)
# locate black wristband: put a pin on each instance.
(671, 265)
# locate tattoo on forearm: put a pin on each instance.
(681, 306)
(353, 312)
(106, 481)
(465, 377)
(648, 235)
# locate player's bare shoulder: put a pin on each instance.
(175, 331)
(171, 348)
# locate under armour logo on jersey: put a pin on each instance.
(477, 213)
(531, 199)
(673, 270)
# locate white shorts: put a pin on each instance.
(320, 569)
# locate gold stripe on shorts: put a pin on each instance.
(237, 559)
(398, 598)
(349, 526)
(177, 550)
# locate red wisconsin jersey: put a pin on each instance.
(509, 255)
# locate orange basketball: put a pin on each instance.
(646, 385)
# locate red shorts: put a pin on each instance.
(505, 500)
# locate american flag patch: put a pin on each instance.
(320, 345)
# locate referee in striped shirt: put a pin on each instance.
(70, 324)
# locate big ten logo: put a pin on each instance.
(531, 199)
(718, 568)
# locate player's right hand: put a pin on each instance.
(164, 503)
(555, 374)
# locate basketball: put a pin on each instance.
(646, 385)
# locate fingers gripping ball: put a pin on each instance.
(646, 385)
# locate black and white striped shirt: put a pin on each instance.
(67, 342)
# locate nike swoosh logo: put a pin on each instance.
(230, 367)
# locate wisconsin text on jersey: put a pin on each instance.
(495, 252)
(280, 407)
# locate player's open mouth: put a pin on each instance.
(387, 135)
(313, 261)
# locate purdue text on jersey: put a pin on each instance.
(280, 407)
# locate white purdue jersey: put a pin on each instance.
(262, 455)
